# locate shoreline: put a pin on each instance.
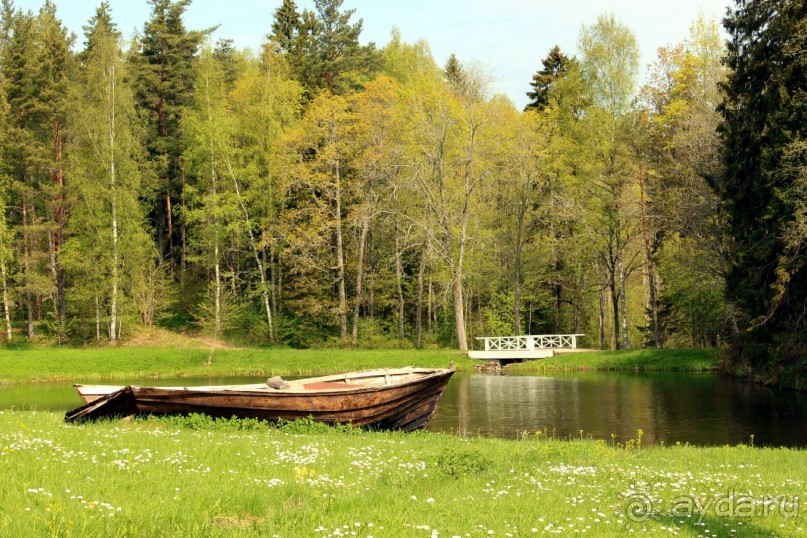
(109, 363)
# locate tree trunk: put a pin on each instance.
(651, 279)
(57, 239)
(370, 276)
(459, 313)
(365, 227)
(522, 210)
(278, 265)
(54, 271)
(419, 309)
(399, 282)
(601, 297)
(98, 319)
(217, 262)
(183, 256)
(26, 254)
(6, 304)
(273, 278)
(615, 309)
(430, 308)
(217, 276)
(623, 306)
(256, 254)
(340, 258)
(113, 307)
(169, 219)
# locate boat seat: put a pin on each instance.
(325, 385)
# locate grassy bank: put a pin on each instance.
(192, 478)
(651, 360)
(45, 364)
(51, 363)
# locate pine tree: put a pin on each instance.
(164, 75)
(555, 65)
(765, 119)
(322, 47)
(37, 65)
(6, 238)
(286, 27)
(54, 70)
(454, 74)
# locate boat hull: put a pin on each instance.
(405, 405)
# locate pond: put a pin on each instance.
(701, 409)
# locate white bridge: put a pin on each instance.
(520, 348)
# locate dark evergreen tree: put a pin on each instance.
(164, 77)
(322, 47)
(37, 65)
(454, 73)
(286, 27)
(765, 117)
(98, 27)
(555, 66)
(227, 57)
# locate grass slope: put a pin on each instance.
(127, 362)
(51, 363)
(657, 360)
(194, 477)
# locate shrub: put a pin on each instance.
(460, 463)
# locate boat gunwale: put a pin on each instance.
(297, 386)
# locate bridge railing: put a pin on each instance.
(530, 342)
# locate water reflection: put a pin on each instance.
(669, 408)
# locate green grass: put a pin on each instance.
(100, 363)
(196, 477)
(48, 364)
(651, 360)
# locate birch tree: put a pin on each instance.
(213, 207)
(265, 104)
(108, 222)
(610, 64)
(445, 130)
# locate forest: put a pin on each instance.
(323, 192)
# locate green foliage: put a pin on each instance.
(651, 360)
(408, 62)
(462, 463)
(58, 327)
(308, 426)
(764, 117)
(163, 73)
(206, 423)
(322, 47)
(498, 315)
(544, 83)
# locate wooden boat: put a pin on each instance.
(391, 399)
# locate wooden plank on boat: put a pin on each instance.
(120, 403)
(328, 385)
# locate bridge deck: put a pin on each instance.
(507, 349)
